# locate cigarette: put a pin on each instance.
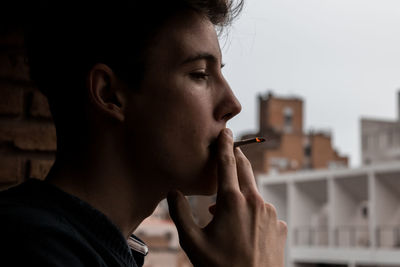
(249, 141)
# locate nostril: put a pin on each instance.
(227, 116)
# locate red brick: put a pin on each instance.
(289, 154)
(29, 136)
(11, 100)
(10, 170)
(40, 106)
(40, 168)
(13, 65)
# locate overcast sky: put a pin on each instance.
(341, 56)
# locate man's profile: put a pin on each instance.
(140, 107)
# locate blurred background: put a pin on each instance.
(340, 56)
(320, 80)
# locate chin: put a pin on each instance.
(200, 180)
(205, 185)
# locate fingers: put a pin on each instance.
(181, 214)
(227, 174)
(283, 227)
(245, 173)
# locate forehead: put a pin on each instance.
(185, 36)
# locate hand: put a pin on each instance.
(244, 231)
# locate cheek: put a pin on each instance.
(185, 151)
(179, 125)
(187, 115)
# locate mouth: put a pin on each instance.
(213, 145)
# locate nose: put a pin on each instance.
(228, 105)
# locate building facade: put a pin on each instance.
(380, 139)
(342, 217)
(288, 147)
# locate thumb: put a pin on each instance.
(181, 214)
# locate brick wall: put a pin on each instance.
(27, 134)
(272, 110)
(291, 149)
(285, 149)
(322, 152)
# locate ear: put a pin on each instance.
(106, 91)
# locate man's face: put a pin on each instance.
(182, 105)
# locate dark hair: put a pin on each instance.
(65, 40)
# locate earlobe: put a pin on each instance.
(103, 91)
(117, 112)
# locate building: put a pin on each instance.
(342, 217)
(288, 148)
(380, 139)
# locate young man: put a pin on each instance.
(140, 112)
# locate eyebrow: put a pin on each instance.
(200, 56)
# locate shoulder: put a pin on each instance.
(33, 232)
(23, 210)
(36, 236)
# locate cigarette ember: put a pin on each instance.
(249, 141)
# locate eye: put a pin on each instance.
(199, 75)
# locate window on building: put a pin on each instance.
(336, 164)
(372, 142)
(278, 164)
(382, 142)
(288, 119)
(365, 142)
(390, 138)
(364, 212)
(307, 151)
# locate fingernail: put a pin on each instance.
(228, 132)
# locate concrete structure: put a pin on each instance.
(343, 217)
(380, 139)
(288, 148)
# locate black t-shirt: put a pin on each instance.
(41, 225)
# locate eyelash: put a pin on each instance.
(200, 75)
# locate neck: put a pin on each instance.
(103, 182)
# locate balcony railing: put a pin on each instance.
(311, 236)
(352, 236)
(388, 236)
(356, 236)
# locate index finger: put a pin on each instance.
(245, 172)
(227, 173)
